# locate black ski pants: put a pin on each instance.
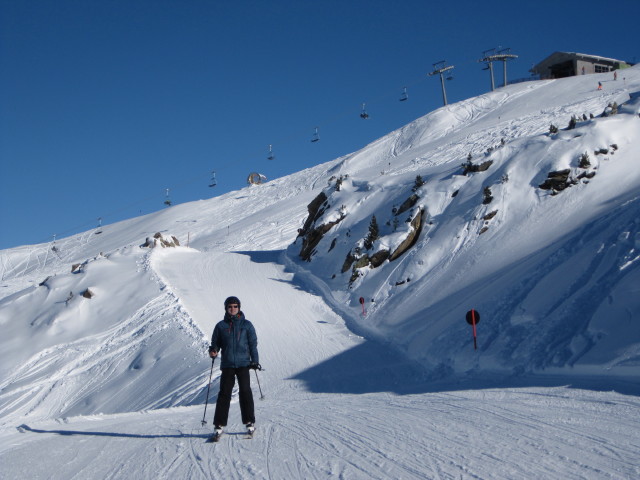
(227, 381)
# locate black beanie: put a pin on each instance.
(232, 301)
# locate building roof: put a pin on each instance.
(560, 57)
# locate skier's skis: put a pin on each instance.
(216, 436)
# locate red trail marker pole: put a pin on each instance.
(473, 318)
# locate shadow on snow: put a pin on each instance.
(26, 428)
(372, 367)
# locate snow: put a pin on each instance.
(114, 386)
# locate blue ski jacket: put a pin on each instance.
(236, 337)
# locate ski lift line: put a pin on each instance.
(330, 120)
(349, 112)
(222, 167)
(90, 224)
(303, 132)
(286, 140)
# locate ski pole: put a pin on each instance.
(204, 422)
(259, 388)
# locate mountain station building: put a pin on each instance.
(568, 64)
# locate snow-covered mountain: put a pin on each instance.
(552, 270)
(480, 205)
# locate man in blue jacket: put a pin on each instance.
(236, 337)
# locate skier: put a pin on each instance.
(599, 85)
(236, 337)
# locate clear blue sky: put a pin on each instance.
(105, 104)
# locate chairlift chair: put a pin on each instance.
(271, 156)
(364, 115)
(405, 96)
(214, 182)
(316, 136)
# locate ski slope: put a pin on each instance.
(115, 386)
(336, 406)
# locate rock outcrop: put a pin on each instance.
(412, 237)
(161, 240)
(311, 233)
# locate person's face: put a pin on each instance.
(233, 308)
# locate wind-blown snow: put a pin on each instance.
(114, 386)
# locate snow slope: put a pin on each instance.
(114, 386)
(527, 257)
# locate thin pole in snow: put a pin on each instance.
(473, 318)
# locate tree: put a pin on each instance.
(419, 182)
(373, 235)
(584, 161)
(487, 196)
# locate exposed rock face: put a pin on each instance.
(412, 238)
(78, 267)
(586, 175)
(88, 294)
(322, 218)
(312, 238)
(315, 211)
(558, 180)
(161, 240)
(311, 235)
(378, 258)
(490, 215)
(472, 168)
(407, 204)
(348, 262)
(356, 261)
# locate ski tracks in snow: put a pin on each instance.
(324, 430)
(489, 434)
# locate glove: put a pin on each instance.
(255, 366)
(212, 351)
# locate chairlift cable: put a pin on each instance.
(345, 113)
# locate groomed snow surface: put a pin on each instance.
(114, 386)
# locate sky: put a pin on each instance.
(106, 105)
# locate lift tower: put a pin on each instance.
(490, 56)
(439, 68)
